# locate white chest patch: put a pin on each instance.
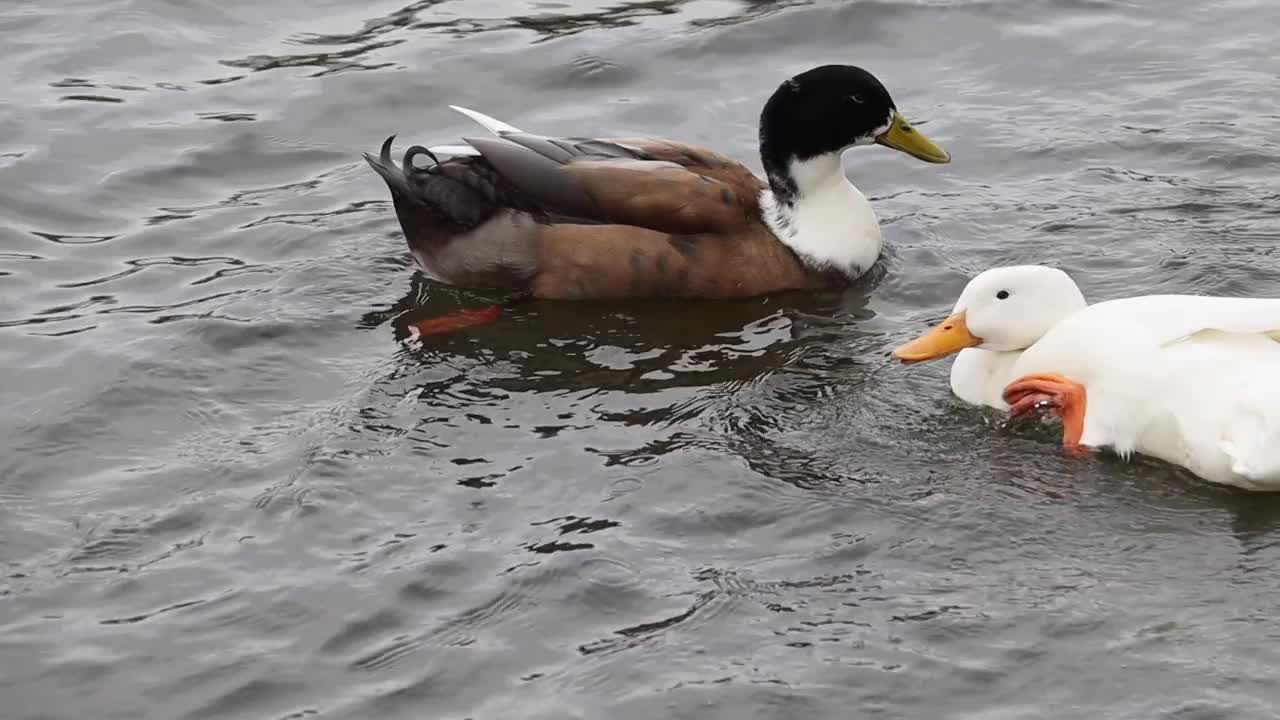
(829, 223)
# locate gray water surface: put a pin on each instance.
(229, 488)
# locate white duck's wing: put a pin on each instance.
(1167, 319)
(1110, 337)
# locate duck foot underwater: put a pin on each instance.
(465, 318)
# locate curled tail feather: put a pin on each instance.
(457, 194)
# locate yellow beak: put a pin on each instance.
(949, 336)
(901, 136)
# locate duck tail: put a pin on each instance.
(442, 194)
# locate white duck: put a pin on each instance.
(1192, 380)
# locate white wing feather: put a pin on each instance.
(454, 150)
(493, 125)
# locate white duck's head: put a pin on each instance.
(1001, 309)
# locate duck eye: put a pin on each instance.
(1002, 294)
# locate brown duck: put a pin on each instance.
(585, 218)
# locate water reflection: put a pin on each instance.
(625, 345)
(726, 379)
(736, 505)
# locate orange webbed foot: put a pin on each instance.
(1066, 398)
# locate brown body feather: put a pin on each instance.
(582, 219)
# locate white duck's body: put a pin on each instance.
(1191, 380)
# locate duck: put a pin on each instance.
(1188, 379)
(580, 218)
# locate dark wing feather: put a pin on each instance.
(668, 187)
(536, 172)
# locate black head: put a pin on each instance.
(830, 108)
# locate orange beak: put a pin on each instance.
(949, 336)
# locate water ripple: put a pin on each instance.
(235, 487)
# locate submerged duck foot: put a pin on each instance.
(455, 321)
(471, 317)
